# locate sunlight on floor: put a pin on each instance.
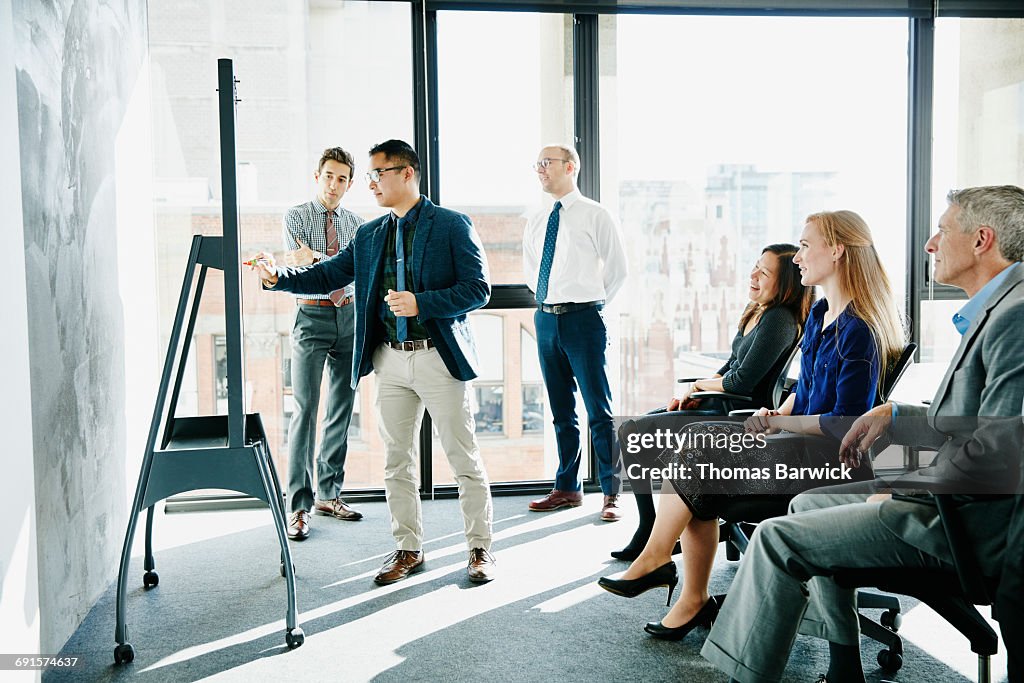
(380, 636)
(931, 633)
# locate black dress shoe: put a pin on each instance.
(704, 617)
(665, 575)
(631, 552)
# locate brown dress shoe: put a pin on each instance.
(298, 526)
(557, 500)
(336, 507)
(610, 511)
(399, 565)
(481, 566)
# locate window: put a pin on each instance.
(518, 67)
(509, 377)
(533, 407)
(302, 89)
(489, 386)
(791, 116)
(220, 371)
(978, 139)
(533, 418)
(286, 362)
(489, 413)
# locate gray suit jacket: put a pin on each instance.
(984, 380)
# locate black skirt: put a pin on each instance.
(716, 477)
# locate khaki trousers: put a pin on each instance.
(408, 382)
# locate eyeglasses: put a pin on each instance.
(373, 175)
(545, 162)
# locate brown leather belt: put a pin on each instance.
(411, 345)
(325, 302)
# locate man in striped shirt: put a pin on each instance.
(323, 333)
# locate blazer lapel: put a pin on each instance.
(419, 240)
(380, 233)
(972, 332)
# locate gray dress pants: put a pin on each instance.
(782, 586)
(321, 335)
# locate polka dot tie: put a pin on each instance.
(548, 256)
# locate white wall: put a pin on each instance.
(19, 584)
(85, 289)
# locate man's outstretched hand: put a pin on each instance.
(263, 264)
(863, 434)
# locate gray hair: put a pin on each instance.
(1000, 207)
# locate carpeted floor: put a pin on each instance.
(218, 612)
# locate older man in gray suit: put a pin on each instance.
(783, 584)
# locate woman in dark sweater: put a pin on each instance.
(852, 336)
(768, 330)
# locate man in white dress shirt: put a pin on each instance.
(573, 257)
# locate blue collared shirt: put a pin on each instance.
(963, 318)
(968, 313)
(839, 369)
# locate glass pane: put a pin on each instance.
(518, 67)
(301, 91)
(791, 116)
(939, 339)
(978, 130)
(513, 427)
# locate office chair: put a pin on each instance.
(734, 403)
(952, 594)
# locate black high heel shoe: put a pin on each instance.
(631, 552)
(704, 617)
(665, 575)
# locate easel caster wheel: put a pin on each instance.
(150, 579)
(124, 653)
(294, 638)
(890, 661)
(892, 620)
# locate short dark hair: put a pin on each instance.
(398, 150)
(339, 155)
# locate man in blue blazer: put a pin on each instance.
(418, 272)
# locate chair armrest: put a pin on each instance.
(690, 379)
(721, 394)
(745, 412)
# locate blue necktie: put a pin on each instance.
(401, 324)
(548, 255)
